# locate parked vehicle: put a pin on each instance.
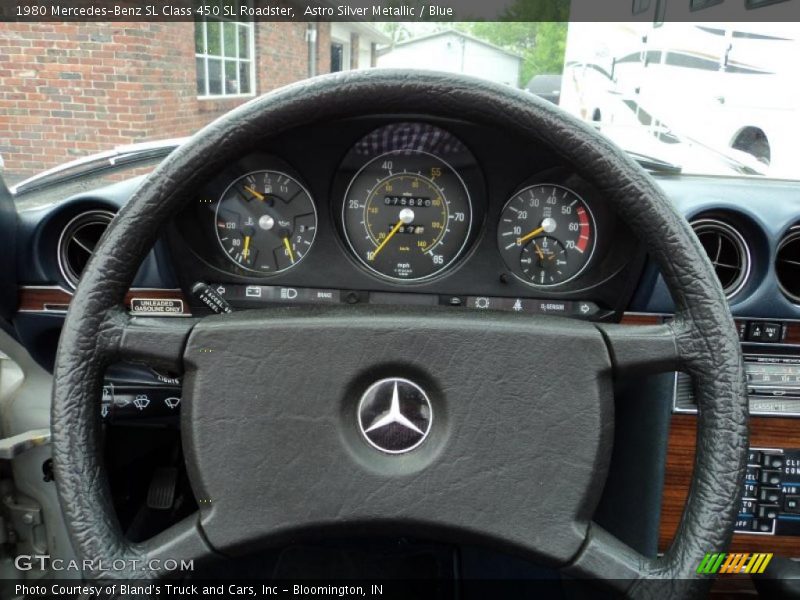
(729, 86)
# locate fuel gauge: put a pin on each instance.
(266, 222)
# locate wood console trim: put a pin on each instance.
(766, 432)
(55, 300)
(640, 319)
(792, 333)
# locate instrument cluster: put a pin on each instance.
(406, 204)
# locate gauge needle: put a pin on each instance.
(288, 249)
(539, 251)
(528, 236)
(246, 251)
(385, 241)
(255, 193)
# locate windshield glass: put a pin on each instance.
(704, 98)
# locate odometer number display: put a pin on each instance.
(546, 235)
(407, 215)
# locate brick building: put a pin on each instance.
(72, 89)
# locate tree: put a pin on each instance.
(540, 44)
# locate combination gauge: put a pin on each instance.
(546, 235)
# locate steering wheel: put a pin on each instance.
(521, 408)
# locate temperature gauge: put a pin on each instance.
(266, 222)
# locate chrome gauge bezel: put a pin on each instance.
(302, 187)
(593, 221)
(445, 267)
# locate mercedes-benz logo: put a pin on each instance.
(395, 415)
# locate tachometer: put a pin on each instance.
(266, 222)
(546, 235)
(407, 215)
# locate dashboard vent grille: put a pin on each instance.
(728, 252)
(787, 264)
(78, 240)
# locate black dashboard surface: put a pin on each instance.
(617, 277)
(503, 164)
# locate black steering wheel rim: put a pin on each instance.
(702, 339)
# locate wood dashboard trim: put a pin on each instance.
(767, 432)
(55, 299)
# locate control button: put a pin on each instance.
(792, 504)
(762, 525)
(772, 332)
(768, 511)
(755, 332)
(768, 494)
(772, 461)
(764, 332)
(770, 477)
(753, 457)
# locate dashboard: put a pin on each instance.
(405, 209)
(437, 212)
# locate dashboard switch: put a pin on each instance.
(791, 504)
(768, 511)
(759, 331)
(769, 494)
(772, 461)
(770, 477)
(755, 332)
(772, 332)
(762, 525)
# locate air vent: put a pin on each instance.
(77, 242)
(787, 264)
(728, 252)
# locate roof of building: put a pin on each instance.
(369, 30)
(450, 31)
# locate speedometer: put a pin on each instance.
(407, 215)
(546, 235)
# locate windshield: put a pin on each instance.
(702, 98)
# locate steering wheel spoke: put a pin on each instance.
(642, 350)
(156, 341)
(174, 549)
(606, 557)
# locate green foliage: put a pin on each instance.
(540, 44)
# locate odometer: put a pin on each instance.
(407, 215)
(546, 235)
